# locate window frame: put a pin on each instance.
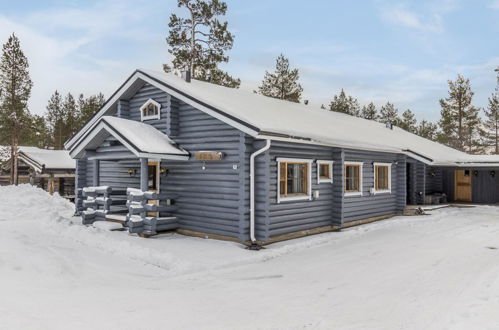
(330, 164)
(353, 193)
(382, 191)
(308, 195)
(157, 116)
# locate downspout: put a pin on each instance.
(254, 245)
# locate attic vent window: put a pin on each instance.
(150, 110)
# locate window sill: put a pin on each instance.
(325, 180)
(149, 118)
(294, 198)
(353, 193)
(379, 192)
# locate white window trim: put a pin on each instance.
(328, 162)
(309, 179)
(361, 170)
(158, 116)
(384, 191)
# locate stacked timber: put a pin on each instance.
(136, 211)
(139, 207)
(102, 202)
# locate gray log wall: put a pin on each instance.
(369, 205)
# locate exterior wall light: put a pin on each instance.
(132, 171)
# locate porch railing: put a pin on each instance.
(103, 203)
(144, 213)
(140, 220)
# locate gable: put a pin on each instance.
(134, 84)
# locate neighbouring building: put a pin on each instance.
(51, 170)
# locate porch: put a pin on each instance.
(120, 169)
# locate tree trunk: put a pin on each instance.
(15, 160)
(12, 152)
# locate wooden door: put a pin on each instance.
(462, 186)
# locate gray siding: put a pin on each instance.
(368, 205)
(150, 92)
(291, 216)
(434, 180)
(208, 200)
(115, 173)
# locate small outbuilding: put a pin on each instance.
(51, 170)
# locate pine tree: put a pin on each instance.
(36, 133)
(491, 124)
(369, 112)
(55, 120)
(345, 104)
(283, 83)
(389, 114)
(219, 77)
(199, 42)
(427, 130)
(15, 86)
(408, 121)
(87, 107)
(460, 120)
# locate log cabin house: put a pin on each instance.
(207, 160)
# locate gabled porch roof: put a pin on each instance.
(141, 140)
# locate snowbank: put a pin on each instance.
(26, 202)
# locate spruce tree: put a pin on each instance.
(408, 121)
(460, 120)
(55, 120)
(87, 107)
(71, 118)
(345, 104)
(282, 83)
(369, 112)
(427, 129)
(389, 114)
(491, 124)
(15, 87)
(199, 42)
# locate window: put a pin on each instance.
(150, 110)
(294, 179)
(353, 178)
(382, 177)
(324, 171)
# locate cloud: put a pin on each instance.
(406, 18)
(494, 5)
(74, 49)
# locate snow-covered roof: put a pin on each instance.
(266, 117)
(39, 159)
(144, 136)
(141, 139)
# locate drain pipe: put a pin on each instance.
(253, 245)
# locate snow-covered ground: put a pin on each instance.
(429, 272)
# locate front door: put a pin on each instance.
(462, 186)
(153, 183)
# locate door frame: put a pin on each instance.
(157, 165)
(456, 186)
